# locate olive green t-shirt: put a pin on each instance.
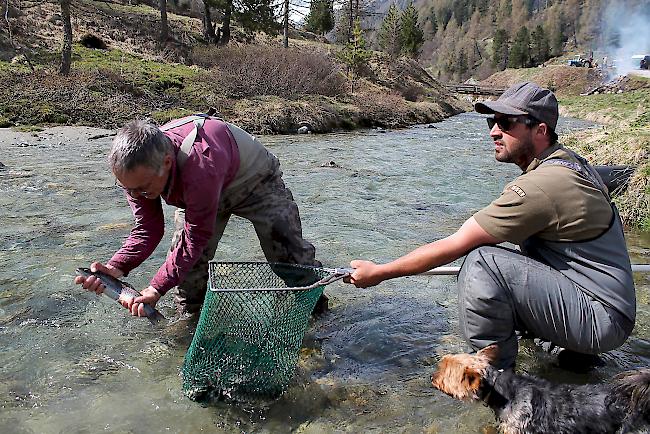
(551, 202)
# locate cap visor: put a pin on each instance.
(490, 107)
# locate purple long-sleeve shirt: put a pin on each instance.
(211, 165)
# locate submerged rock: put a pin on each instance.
(330, 164)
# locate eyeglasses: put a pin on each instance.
(134, 191)
(507, 123)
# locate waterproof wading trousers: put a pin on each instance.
(501, 290)
(269, 205)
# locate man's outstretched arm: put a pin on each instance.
(469, 236)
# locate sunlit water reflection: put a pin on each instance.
(73, 362)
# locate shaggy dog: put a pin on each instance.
(525, 404)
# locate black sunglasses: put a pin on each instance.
(507, 123)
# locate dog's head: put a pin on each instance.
(459, 375)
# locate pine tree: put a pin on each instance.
(251, 15)
(411, 35)
(354, 55)
(444, 15)
(461, 63)
(520, 51)
(460, 11)
(389, 33)
(256, 15)
(500, 49)
(540, 47)
(557, 43)
(433, 20)
(321, 17)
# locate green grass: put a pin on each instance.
(627, 136)
(138, 71)
(617, 106)
(116, 8)
(29, 128)
(164, 116)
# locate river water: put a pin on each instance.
(72, 362)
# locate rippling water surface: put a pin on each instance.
(72, 362)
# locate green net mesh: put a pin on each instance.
(246, 344)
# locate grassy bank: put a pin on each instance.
(260, 86)
(268, 90)
(623, 139)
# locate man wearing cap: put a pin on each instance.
(570, 283)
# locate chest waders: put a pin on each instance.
(184, 151)
(600, 266)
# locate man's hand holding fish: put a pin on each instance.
(136, 305)
(93, 283)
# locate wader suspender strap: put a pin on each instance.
(582, 171)
(188, 141)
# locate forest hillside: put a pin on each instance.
(475, 38)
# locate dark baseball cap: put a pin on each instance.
(524, 99)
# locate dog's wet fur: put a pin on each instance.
(526, 404)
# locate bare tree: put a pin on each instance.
(225, 29)
(16, 47)
(66, 49)
(208, 28)
(286, 24)
(164, 26)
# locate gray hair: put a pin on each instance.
(139, 143)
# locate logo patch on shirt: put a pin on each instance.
(518, 190)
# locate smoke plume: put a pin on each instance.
(625, 33)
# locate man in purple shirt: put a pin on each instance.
(208, 169)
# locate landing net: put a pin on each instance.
(250, 331)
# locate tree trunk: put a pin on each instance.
(66, 50)
(208, 28)
(351, 21)
(286, 24)
(225, 28)
(164, 27)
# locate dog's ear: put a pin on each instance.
(471, 379)
(490, 352)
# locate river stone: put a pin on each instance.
(330, 164)
(304, 130)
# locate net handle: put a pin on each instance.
(439, 271)
(340, 273)
(453, 271)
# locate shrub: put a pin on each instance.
(413, 92)
(247, 71)
(91, 41)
